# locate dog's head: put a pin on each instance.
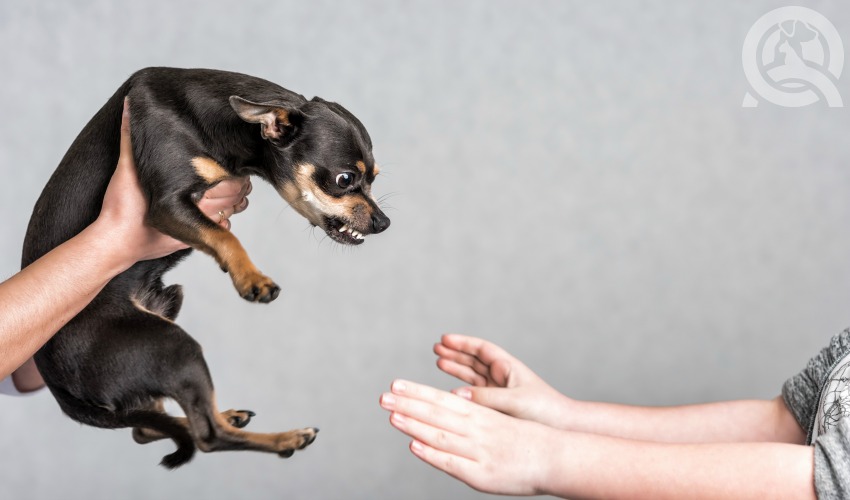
(323, 165)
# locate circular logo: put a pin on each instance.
(793, 57)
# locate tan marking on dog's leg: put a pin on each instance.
(228, 437)
(143, 435)
(209, 169)
(249, 281)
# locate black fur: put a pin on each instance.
(110, 365)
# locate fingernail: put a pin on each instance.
(387, 400)
(399, 387)
(416, 447)
(397, 419)
(464, 393)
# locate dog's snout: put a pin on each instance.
(380, 222)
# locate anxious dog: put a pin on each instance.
(114, 363)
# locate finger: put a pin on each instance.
(215, 211)
(462, 372)
(433, 436)
(241, 206)
(461, 342)
(126, 147)
(462, 358)
(428, 394)
(500, 372)
(430, 414)
(227, 189)
(470, 345)
(453, 465)
(485, 351)
(453, 354)
(497, 398)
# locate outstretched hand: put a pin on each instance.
(489, 451)
(499, 381)
(124, 206)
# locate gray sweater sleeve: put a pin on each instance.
(802, 391)
(832, 449)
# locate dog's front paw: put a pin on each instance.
(257, 288)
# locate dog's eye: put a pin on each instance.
(344, 179)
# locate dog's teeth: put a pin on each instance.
(343, 229)
(356, 234)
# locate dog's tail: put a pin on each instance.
(169, 426)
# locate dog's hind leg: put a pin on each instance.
(225, 437)
(218, 434)
(215, 431)
(178, 368)
(144, 435)
(156, 422)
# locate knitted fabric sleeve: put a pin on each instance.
(802, 391)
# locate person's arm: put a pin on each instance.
(40, 299)
(502, 382)
(497, 453)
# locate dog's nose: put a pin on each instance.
(380, 222)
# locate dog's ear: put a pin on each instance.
(278, 123)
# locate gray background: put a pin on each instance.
(576, 181)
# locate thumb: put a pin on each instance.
(126, 150)
(497, 398)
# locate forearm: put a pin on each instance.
(729, 421)
(38, 301)
(593, 466)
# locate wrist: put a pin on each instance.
(560, 458)
(564, 412)
(106, 242)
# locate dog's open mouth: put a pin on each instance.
(341, 232)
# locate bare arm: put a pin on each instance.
(500, 381)
(727, 421)
(43, 297)
(497, 453)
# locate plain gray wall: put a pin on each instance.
(576, 181)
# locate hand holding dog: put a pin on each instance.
(122, 217)
(78, 269)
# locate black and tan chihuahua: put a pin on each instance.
(115, 362)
